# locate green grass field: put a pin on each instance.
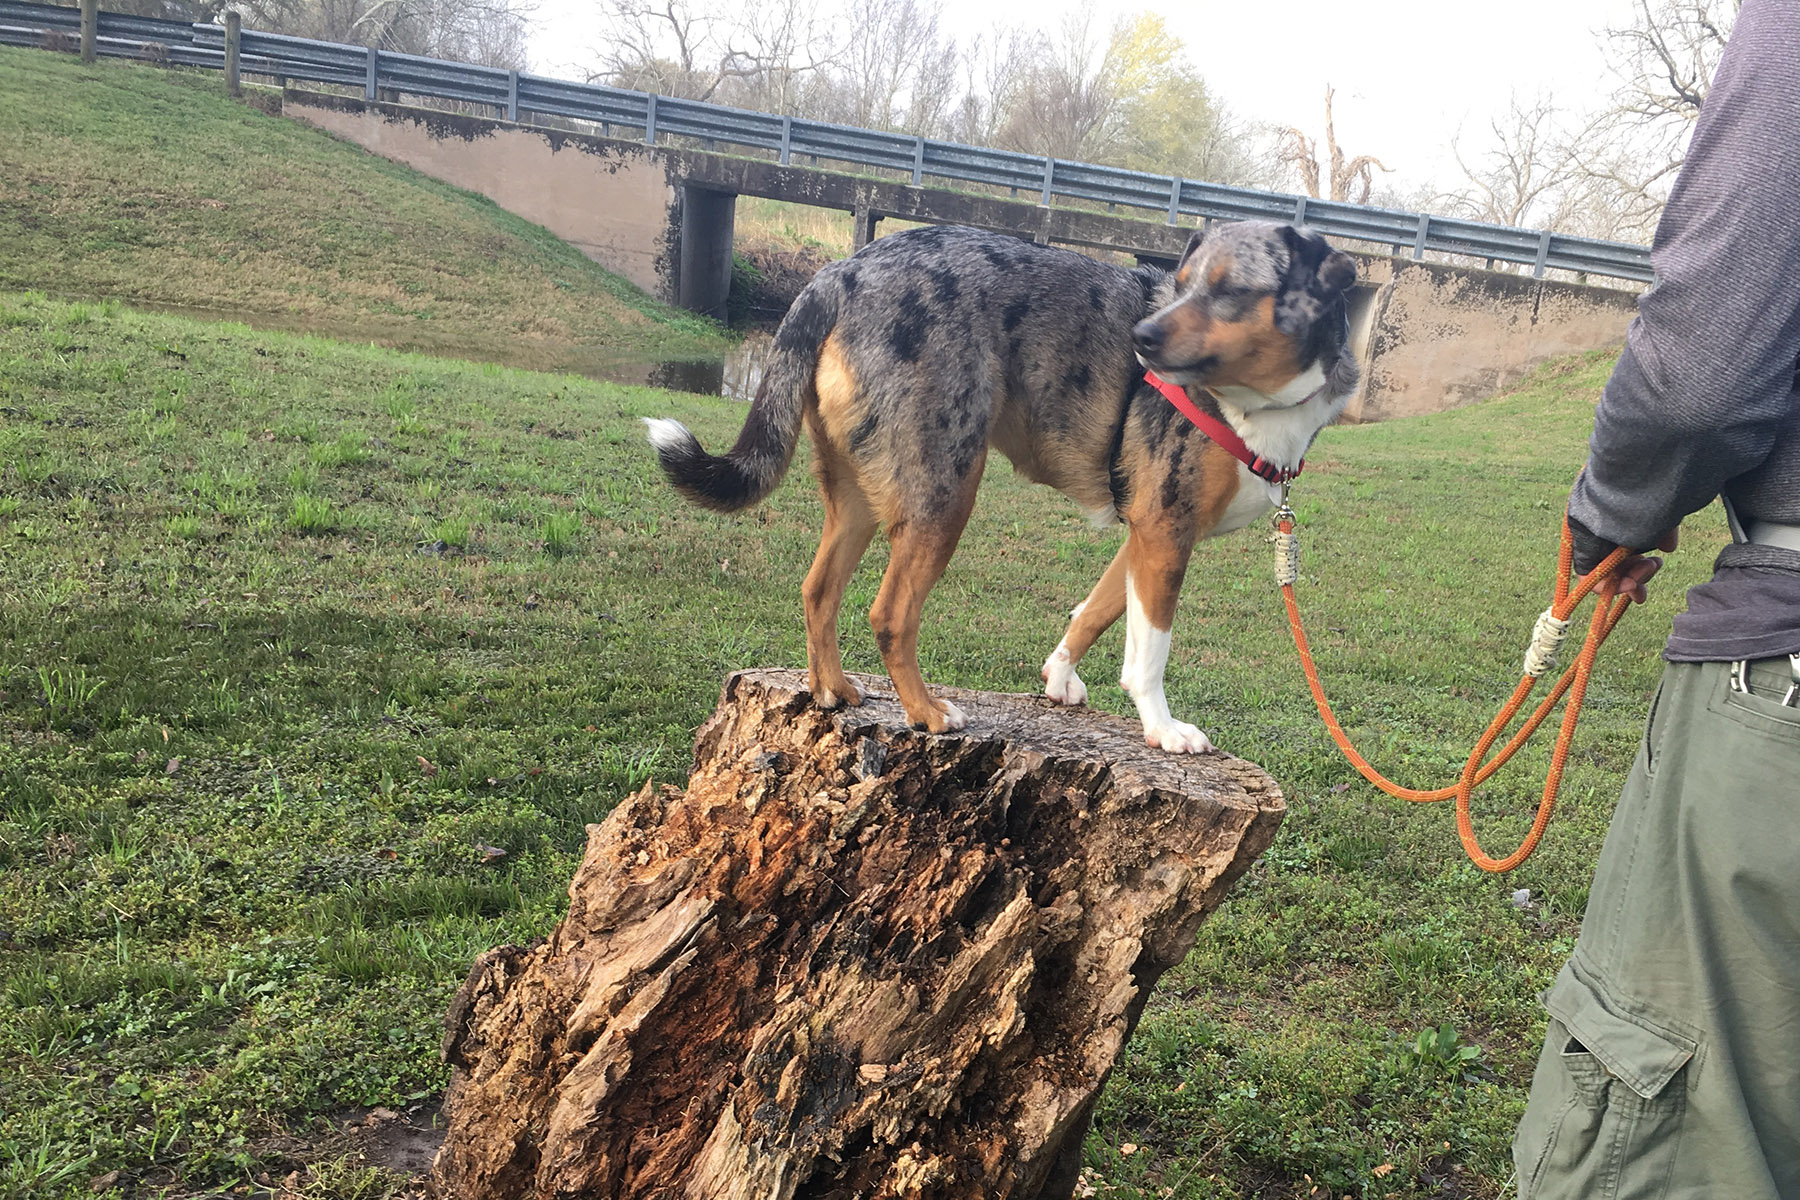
(129, 181)
(315, 660)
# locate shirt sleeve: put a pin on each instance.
(1703, 387)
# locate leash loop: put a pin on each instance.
(1547, 637)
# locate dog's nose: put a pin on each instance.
(1148, 337)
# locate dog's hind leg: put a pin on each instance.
(849, 527)
(921, 550)
(1091, 618)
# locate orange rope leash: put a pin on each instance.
(1568, 596)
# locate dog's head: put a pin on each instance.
(1257, 305)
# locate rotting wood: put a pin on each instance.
(850, 960)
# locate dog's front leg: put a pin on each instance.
(1091, 618)
(1155, 568)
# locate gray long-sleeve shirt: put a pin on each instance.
(1705, 398)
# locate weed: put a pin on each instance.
(185, 526)
(66, 692)
(453, 531)
(1442, 1050)
(347, 449)
(311, 514)
(558, 532)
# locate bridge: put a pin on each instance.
(1434, 327)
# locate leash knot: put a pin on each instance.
(1287, 557)
(1546, 642)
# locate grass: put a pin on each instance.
(250, 773)
(128, 181)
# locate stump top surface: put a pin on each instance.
(1036, 724)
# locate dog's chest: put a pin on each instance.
(1255, 497)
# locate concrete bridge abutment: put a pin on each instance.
(703, 273)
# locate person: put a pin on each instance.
(1672, 1063)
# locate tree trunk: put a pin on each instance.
(851, 960)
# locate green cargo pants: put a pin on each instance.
(1672, 1066)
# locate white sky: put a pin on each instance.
(1408, 73)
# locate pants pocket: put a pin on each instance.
(1607, 1102)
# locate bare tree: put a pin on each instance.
(894, 59)
(670, 47)
(1301, 154)
(1524, 174)
(1067, 101)
(994, 67)
(491, 32)
(1629, 153)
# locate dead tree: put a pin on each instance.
(850, 960)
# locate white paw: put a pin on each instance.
(954, 717)
(1061, 683)
(1177, 737)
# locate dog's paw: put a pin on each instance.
(1061, 683)
(943, 717)
(1177, 737)
(841, 695)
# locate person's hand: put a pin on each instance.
(1635, 572)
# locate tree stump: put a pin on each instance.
(850, 960)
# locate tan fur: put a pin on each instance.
(1253, 353)
(919, 553)
(849, 527)
(1104, 605)
(835, 383)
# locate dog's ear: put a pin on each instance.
(1314, 266)
(1337, 273)
(1193, 244)
(1316, 276)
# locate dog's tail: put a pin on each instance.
(753, 466)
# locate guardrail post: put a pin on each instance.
(650, 122)
(1424, 232)
(787, 138)
(234, 32)
(1174, 199)
(1299, 210)
(369, 77)
(512, 96)
(918, 161)
(1543, 255)
(1049, 179)
(90, 28)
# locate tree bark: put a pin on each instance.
(850, 960)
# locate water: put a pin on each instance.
(734, 375)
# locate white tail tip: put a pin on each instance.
(665, 433)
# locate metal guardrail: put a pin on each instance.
(514, 93)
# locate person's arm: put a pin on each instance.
(1702, 389)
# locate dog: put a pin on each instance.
(908, 362)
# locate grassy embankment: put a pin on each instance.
(295, 636)
(130, 182)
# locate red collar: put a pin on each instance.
(1222, 433)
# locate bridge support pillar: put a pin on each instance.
(706, 227)
(862, 228)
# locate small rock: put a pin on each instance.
(104, 1183)
(1522, 898)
